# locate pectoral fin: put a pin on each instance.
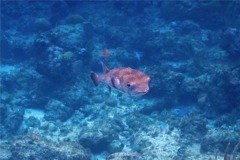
(113, 82)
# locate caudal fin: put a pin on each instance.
(94, 78)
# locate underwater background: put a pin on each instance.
(50, 108)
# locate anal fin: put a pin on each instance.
(110, 90)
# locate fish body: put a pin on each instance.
(127, 80)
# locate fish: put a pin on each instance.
(127, 80)
(138, 55)
(105, 53)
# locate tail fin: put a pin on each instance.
(94, 78)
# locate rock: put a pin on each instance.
(230, 42)
(32, 122)
(124, 156)
(135, 122)
(52, 127)
(77, 66)
(98, 135)
(218, 140)
(56, 110)
(14, 118)
(74, 19)
(88, 30)
(193, 127)
(97, 99)
(3, 110)
(42, 24)
(111, 102)
(35, 147)
(188, 26)
(4, 150)
(17, 44)
(115, 146)
(3, 132)
(194, 10)
(74, 34)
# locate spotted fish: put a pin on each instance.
(126, 80)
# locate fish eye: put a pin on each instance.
(130, 85)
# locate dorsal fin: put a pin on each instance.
(105, 69)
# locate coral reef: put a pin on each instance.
(123, 155)
(50, 108)
(98, 139)
(42, 24)
(56, 110)
(34, 146)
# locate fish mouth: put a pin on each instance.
(141, 93)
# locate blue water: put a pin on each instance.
(51, 109)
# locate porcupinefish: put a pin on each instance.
(127, 80)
